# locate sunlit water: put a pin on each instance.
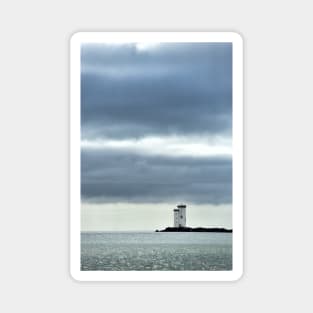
(146, 251)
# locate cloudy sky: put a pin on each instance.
(156, 130)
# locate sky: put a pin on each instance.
(156, 130)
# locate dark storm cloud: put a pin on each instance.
(110, 176)
(178, 88)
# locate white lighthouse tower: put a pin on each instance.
(180, 215)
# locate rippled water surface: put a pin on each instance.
(146, 251)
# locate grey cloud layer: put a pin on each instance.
(110, 176)
(172, 89)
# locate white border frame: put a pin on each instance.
(237, 140)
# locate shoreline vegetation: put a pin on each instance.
(196, 229)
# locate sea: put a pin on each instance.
(156, 251)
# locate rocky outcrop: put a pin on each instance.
(196, 230)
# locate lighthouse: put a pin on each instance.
(180, 215)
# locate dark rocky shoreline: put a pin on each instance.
(196, 230)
